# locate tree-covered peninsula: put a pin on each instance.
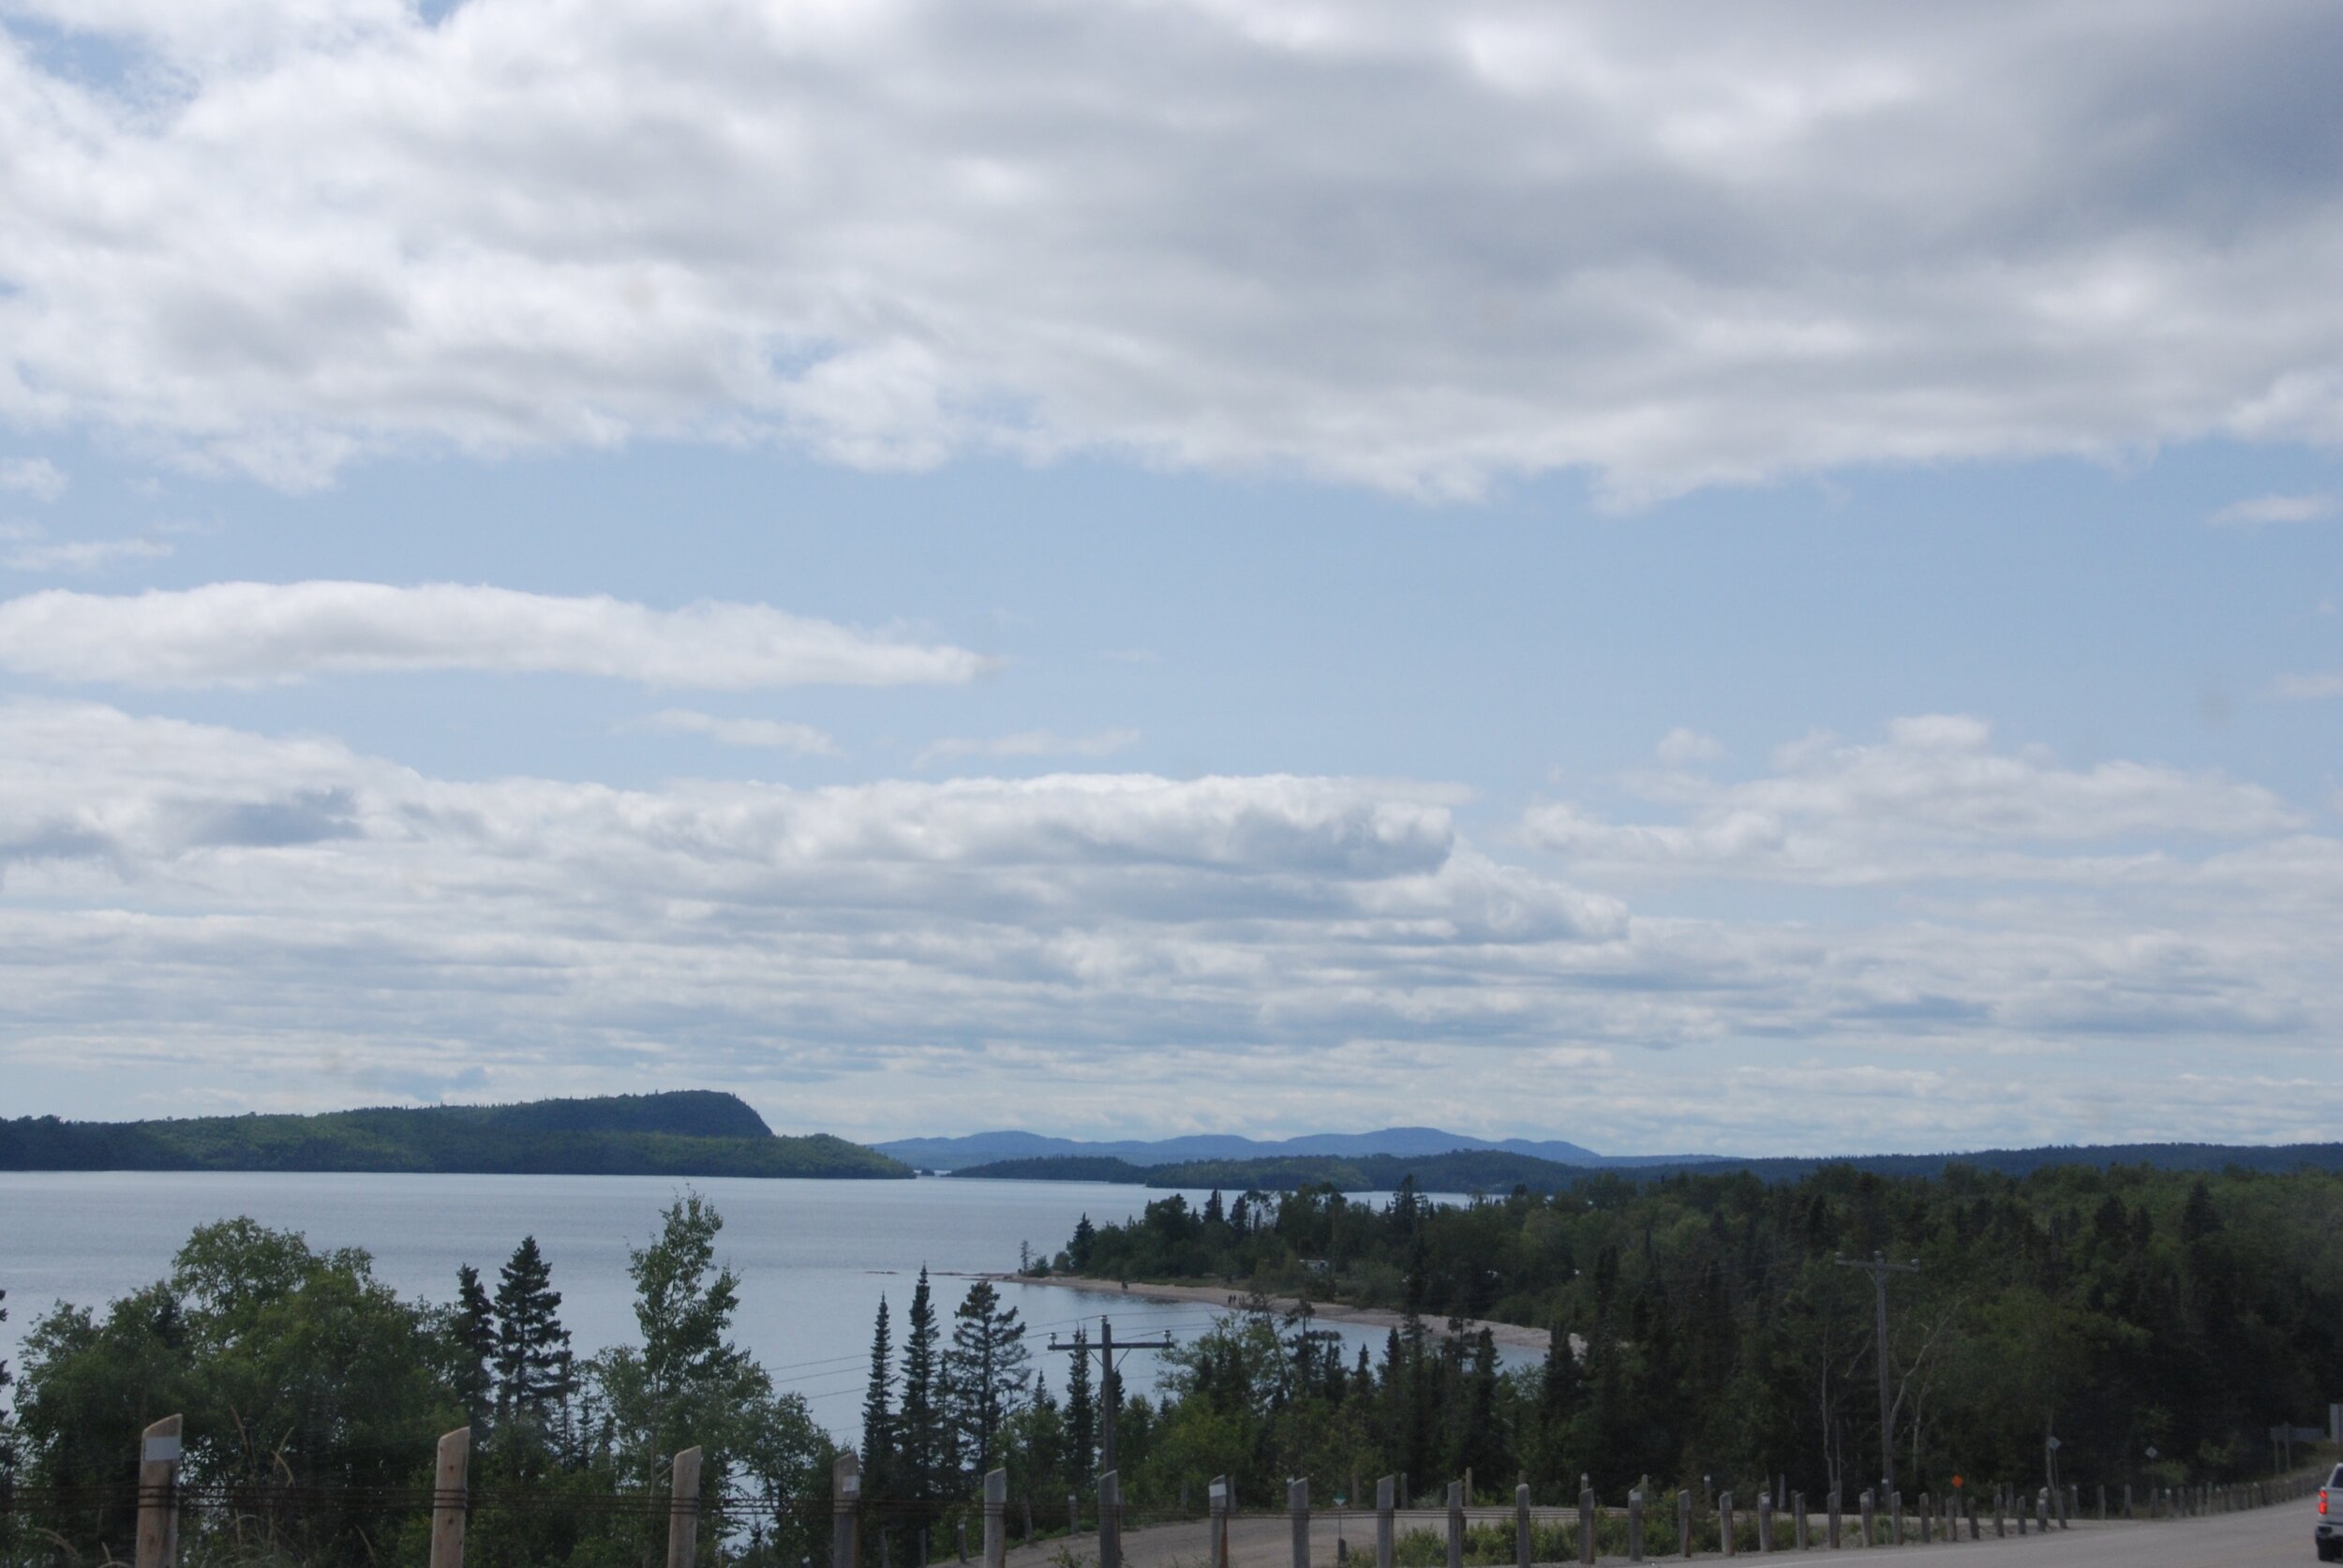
(684, 1133)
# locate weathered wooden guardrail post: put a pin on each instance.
(2102, 1502)
(1522, 1544)
(1798, 1519)
(1386, 1500)
(996, 1518)
(1298, 1510)
(1684, 1522)
(1927, 1503)
(1765, 1521)
(1635, 1520)
(846, 1512)
(448, 1481)
(1455, 1524)
(1830, 1524)
(1219, 1500)
(1111, 1519)
(159, 1494)
(1586, 1523)
(1867, 1504)
(683, 1510)
(1724, 1521)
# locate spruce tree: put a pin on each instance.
(7, 1436)
(987, 1370)
(1082, 1416)
(473, 1330)
(919, 1444)
(532, 1346)
(879, 1417)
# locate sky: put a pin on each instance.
(1700, 578)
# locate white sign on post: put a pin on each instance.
(160, 1451)
(1220, 1491)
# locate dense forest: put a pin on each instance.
(2124, 1310)
(1499, 1170)
(684, 1133)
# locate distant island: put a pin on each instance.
(1492, 1170)
(684, 1133)
(985, 1148)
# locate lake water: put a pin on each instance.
(813, 1257)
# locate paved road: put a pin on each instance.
(2275, 1535)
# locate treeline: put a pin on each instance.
(303, 1377)
(1500, 1170)
(2122, 1310)
(684, 1133)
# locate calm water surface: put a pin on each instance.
(813, 1257)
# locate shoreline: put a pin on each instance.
(1508, 1335)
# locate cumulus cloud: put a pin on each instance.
(772, 734)
(2310, 688)
(889, 955)
(1933, 799)
(2260, 510)
(37, 477)
(1027, 742)
(1669, 246)
(1685, 748)
(254, 633)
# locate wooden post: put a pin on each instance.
(1585, 1524)
(1455, 1524)
(996, 1518)
(683, 1510)
(1386, 1545)
(1110, 1519)
(1765, 1521)
(1219, 1500)
(158, 1493)
(448, 1497)
(1871, 1537)
(2102, 1502)
(846, 1512)
(1724, 1521)
(1895, 1513)
(1798, 1519)
(1831, 1522)
(1298, 1512)
(1927, 1503)
(1521, 1525)
(1684, 1522)
(1635, 1523)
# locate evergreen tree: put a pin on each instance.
(987, 1372)
(1082, 1416)
(920, 1446)
(1079, 1252)
(8, 1432)
(472, 1332)
(878, 1417)
(532, 1346)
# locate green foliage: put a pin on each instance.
(986, 1371)
(2126, 1306)
(532, 1348)
(689, 1133)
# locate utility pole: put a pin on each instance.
(1109, 1386)
(1879, 1268)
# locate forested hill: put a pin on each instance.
(1494, 1171)
(684, 1133)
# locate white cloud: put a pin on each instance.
(252, 633)
(2310, 688)
(772, 734)
(2260, 510)
(1028, 743)
(81, 555)
(1935, 800)
(1685, 748)
(1670, 246)
(37, 477)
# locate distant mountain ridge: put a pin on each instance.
(689, 1132)
(988, 1148)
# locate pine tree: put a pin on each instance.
(1082, 1416)
(1084, 1235)
(473, 1330)
(7, 1436)
(532, 1346)
(987, 1371)
(919, 1444)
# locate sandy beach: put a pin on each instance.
(1511, 1336)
